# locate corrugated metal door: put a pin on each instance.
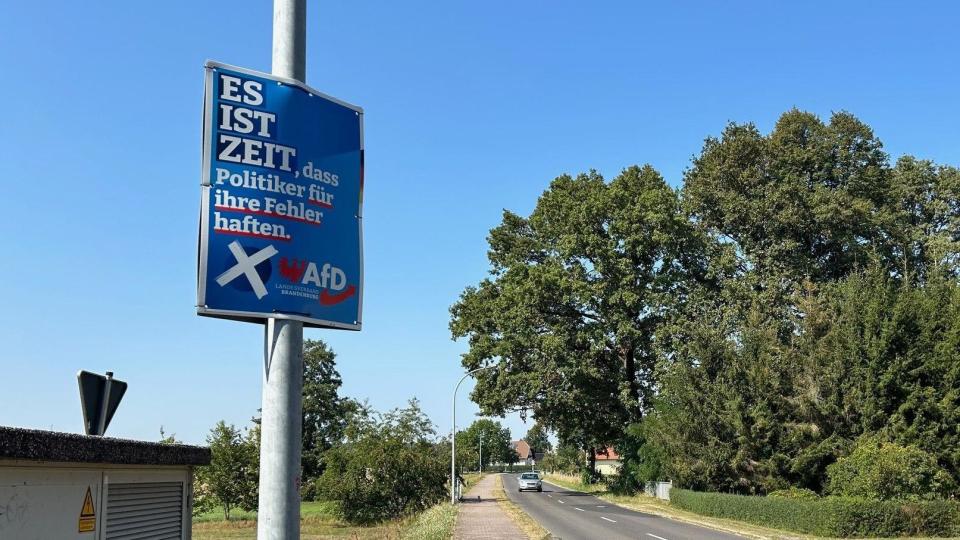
(140, 511)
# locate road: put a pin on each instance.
(572, 515)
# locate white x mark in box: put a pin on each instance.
(247, 265)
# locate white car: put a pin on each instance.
(531, 481)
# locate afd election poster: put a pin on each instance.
(281, 202)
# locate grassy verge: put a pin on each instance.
(317, 520)
(435, 523)
(527, 524)
(652, 505)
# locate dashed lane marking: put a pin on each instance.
(608, 519)
(580, 509)
(655, 536)
(561, 502)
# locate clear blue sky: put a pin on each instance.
(471, 107)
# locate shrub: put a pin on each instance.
(794, 493)
(388, 469)
(377, 479)
(828, 516)
(230, 480)
(886, 471)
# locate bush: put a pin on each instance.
(794, 493)
(231, 478)
(388, 469)
(376, 479)
(886, 471)
(828, 516)
(588, 477)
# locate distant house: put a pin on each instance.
(528, 455)
(608, 461)
(523, 450)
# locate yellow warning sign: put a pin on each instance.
(88, 516)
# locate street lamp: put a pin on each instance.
(453, 437)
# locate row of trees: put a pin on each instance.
(797, 297)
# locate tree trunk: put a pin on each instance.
(593, 461)
(628, 355)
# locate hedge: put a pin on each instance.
(828, 516)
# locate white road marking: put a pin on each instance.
(655, 536)
(608, 519)
(601, 506)
(561, 502)
(549, 495)
(580, 509)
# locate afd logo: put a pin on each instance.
(327, 277)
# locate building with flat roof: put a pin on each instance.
(69, 486)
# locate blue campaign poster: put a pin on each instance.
(281, 201)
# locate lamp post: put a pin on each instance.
(453, 437)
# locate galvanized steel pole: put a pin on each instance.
(278, 516)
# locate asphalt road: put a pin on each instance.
(572, 515)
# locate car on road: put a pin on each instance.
(531, 481)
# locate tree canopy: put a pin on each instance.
(496, 444)
(798, 294)
(576, 292)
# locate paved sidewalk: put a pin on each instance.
(485, 520)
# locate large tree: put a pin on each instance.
(821, 337)
(803, 202)
(576, 293)
(538, 439)
(325, 413)
(923, 219)
(496, 444)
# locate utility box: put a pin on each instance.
(64, 486)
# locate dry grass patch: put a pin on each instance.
(527, 524)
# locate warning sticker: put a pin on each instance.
(88, 516)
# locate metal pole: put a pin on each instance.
(481, 454)
(290, 39)
(278, 515)
(453, 437)
(104, 405)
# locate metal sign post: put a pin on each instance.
(278, 509)
(280, 233)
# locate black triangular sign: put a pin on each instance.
(92, 387)
(91, 391)
(117, 389)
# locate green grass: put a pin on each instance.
(318, 520)
(435, 523)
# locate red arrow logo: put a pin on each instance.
(328, 299)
